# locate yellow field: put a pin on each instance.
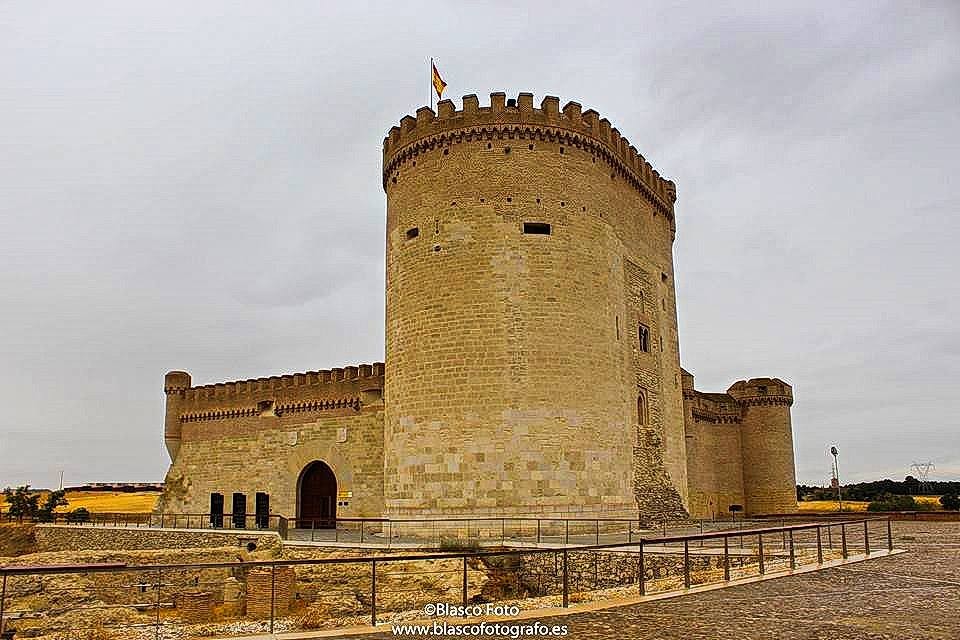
(849, 505)
(822, 506)
(107, 501)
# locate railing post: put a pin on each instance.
(538, 531)
(503, 531)
(373, 593)
(830, 536)
(3, 600)
(793, 557)
(361, 531)
(889, 535)
(273, 593)
(566, 534)
(843, 540)
(866, 536)
(566, 586)
(464, 583)
(630, 532)
(726, 558)
(686, 564)
(597, 523)
(643, 572)
(819, 547)
(156, 627)
(763, 569)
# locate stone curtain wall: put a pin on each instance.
(509, 386)
(251, 454)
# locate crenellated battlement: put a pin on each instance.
(520, 119)
(178, 382)
(760, 391)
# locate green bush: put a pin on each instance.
(889, 502)
(78, 515)
(950, 501)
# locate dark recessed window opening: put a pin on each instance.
(413, 233)
(511, 102)
(537, 228)
(446, 151)
(509, 199)
(216, 510)
(436, 247)
(506, 150)
(538, 200)
(489, 145)
(644, 335)
(482, 200)
(414, 163)
(530, 146)
(563, 204)
(561, 149)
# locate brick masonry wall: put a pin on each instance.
(511, 383)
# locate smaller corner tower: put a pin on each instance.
(175, 384)
(769, 476)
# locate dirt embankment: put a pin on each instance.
(17, 540)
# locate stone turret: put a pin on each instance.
(766, 436)
(175, 385)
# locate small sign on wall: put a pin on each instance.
(342, 434)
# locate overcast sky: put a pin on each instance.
(196, 186)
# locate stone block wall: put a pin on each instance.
(511, 383)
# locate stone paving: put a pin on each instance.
(915, 595)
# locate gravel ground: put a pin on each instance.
(904, 597)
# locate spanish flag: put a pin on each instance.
(438, 82)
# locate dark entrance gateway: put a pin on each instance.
(317, 497)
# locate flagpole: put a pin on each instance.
(431, 83)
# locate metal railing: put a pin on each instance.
(421, 532)
(310, 593)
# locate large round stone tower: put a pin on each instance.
(532, 363)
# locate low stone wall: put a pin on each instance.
(81, 538)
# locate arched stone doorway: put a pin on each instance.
(317, 496)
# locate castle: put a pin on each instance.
(532, 359)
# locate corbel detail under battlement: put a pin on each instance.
(310, 406)
(511, 131)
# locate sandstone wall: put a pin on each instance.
(88, 538)
(513, 366)
(260, 438)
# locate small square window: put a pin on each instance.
(413, 233)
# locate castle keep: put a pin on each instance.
(532, 359)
